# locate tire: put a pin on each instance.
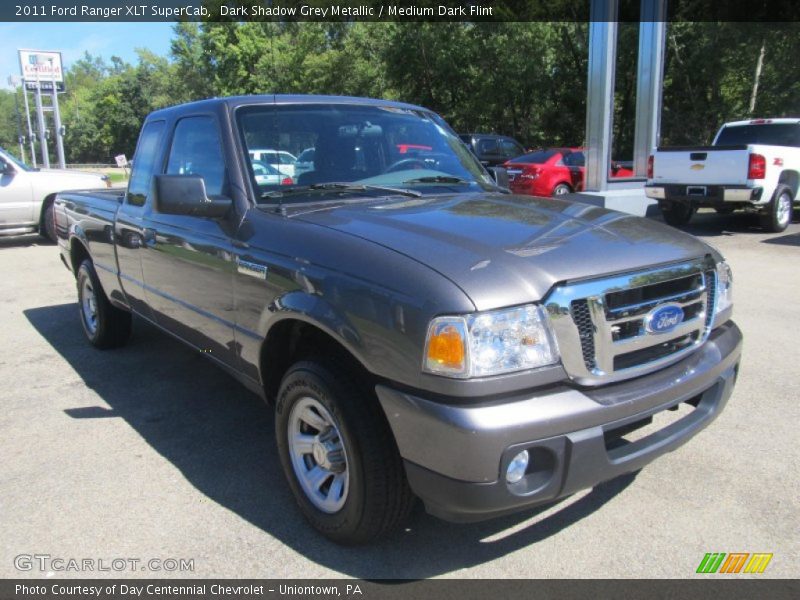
(349, 460)
(779, 211)
(676, 214)
(561, 189)
(47, 228)
(105, 325)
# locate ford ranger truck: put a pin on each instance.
(419, 331)
(751, 165)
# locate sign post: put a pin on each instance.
(30, 127)
(40, 67)
(41, 125)
(59, 129)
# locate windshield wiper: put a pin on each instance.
(451, 180)
(439, 179)
(338, 187)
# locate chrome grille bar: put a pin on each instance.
(601, 331)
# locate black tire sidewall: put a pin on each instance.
(86, 271)
(676, 213)
(48, 223)
(309, 379)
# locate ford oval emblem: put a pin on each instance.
(663, 318)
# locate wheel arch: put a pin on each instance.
(791, 179)
(78, 252)
(296, 337)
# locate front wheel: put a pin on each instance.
(676, 214)
(105, 325)
(779, 210)
(338, 454)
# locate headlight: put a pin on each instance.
(489, 343)
(724, 287)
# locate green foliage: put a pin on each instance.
(525, 79)
(9, 122)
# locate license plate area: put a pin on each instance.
(696, 190)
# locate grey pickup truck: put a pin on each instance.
(419, 331)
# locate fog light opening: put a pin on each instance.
(517, 467)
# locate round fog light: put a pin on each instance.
(516, 468)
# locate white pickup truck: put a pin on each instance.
(752, 165)
(26, 195)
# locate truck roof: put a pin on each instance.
(234, 101)
(791, 120)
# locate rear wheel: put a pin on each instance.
(676, 214)
(561, 189)
(338, 454)
(779, 210)
(47, 227)
(105, 325)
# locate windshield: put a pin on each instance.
(11, 158)
(367, 147)
(776, 134)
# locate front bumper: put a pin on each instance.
(455, 454)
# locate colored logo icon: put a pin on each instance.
(735, 562)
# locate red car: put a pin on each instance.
(552, 172)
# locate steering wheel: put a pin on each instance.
(406, 164)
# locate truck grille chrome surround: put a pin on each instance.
(601, 324)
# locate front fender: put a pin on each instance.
(315, 310)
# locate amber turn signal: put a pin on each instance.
(446, 348)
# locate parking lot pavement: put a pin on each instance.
(148, 452)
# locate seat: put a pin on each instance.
(334, 160)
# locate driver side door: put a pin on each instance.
(189, 261)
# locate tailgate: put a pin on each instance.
(706, 165)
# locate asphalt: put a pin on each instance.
(150, 452)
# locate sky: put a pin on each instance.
(73, 39)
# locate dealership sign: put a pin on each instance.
(43, 67)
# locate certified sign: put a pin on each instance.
(42, 66)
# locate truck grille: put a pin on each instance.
(605, 322)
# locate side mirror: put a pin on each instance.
(186, 195)
(500, 176)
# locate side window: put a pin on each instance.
(144, 161)
(488, 146)
(511, 150)
(196, 150)
(575, 159)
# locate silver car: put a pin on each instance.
(27, 194)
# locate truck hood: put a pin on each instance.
(69, 175)
(504, 250)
